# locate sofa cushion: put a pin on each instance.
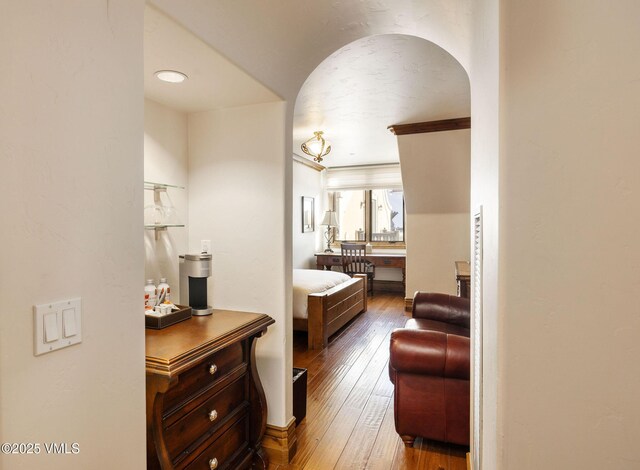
(433, 325)
(442, 307)
(429, 353)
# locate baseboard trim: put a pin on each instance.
(408, 304)
(280, 444)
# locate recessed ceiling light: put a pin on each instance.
(171, 76)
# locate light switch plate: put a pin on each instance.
(51, 327)
(65, 323)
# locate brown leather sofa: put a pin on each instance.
(429, 367)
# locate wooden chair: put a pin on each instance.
(354, 262)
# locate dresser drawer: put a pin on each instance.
(329, 260)
(206, 419)
(224, 450)
(389, 262)
(204, 375)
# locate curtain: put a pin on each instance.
(364, 177)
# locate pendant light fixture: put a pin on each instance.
(316, 147)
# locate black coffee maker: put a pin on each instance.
(194, 272)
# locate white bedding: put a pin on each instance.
(311, 281)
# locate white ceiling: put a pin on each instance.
(214, 81)
(354, 87)
(374, 82)
(281, 42)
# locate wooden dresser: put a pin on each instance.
(206, 408)
(463, 278)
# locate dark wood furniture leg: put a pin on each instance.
(408, 440)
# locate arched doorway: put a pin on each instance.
(353, 96)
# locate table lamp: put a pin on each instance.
(330, 220)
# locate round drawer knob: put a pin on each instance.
(213, 463)
(213, 369)
(213, 415)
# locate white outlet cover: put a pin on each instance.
(73, 317)
(205, 246)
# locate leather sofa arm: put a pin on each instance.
(430, 353)
(442, 307)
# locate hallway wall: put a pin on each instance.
(571, 270)
(71, 126)
(236, 196)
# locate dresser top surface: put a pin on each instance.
(463, 269)
(171, 349)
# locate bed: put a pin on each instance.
(324, 301)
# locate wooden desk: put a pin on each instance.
(463, 278)
(205, 404)
(380, 260)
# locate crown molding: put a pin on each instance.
(307, 162)
(431, 126)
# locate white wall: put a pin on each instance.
(571, 267)
(307, 182)
(434, 243)
(237, 200)
(485, 191)
(165, 161)
(436, 177)
(71, 125)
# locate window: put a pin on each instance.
(387, 215)
(350, 210)
(375, 215)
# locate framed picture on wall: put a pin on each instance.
(308, 217)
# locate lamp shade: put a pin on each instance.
(330, 219)
(316, 147)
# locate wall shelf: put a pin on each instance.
(158, 188)
(161, 226)
(150, 185)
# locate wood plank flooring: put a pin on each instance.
(349, 423)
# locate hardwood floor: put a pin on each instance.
(349, 422)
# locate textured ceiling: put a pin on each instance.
(285, 43)
(213, 80)
(281, 42)
(372, 83)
